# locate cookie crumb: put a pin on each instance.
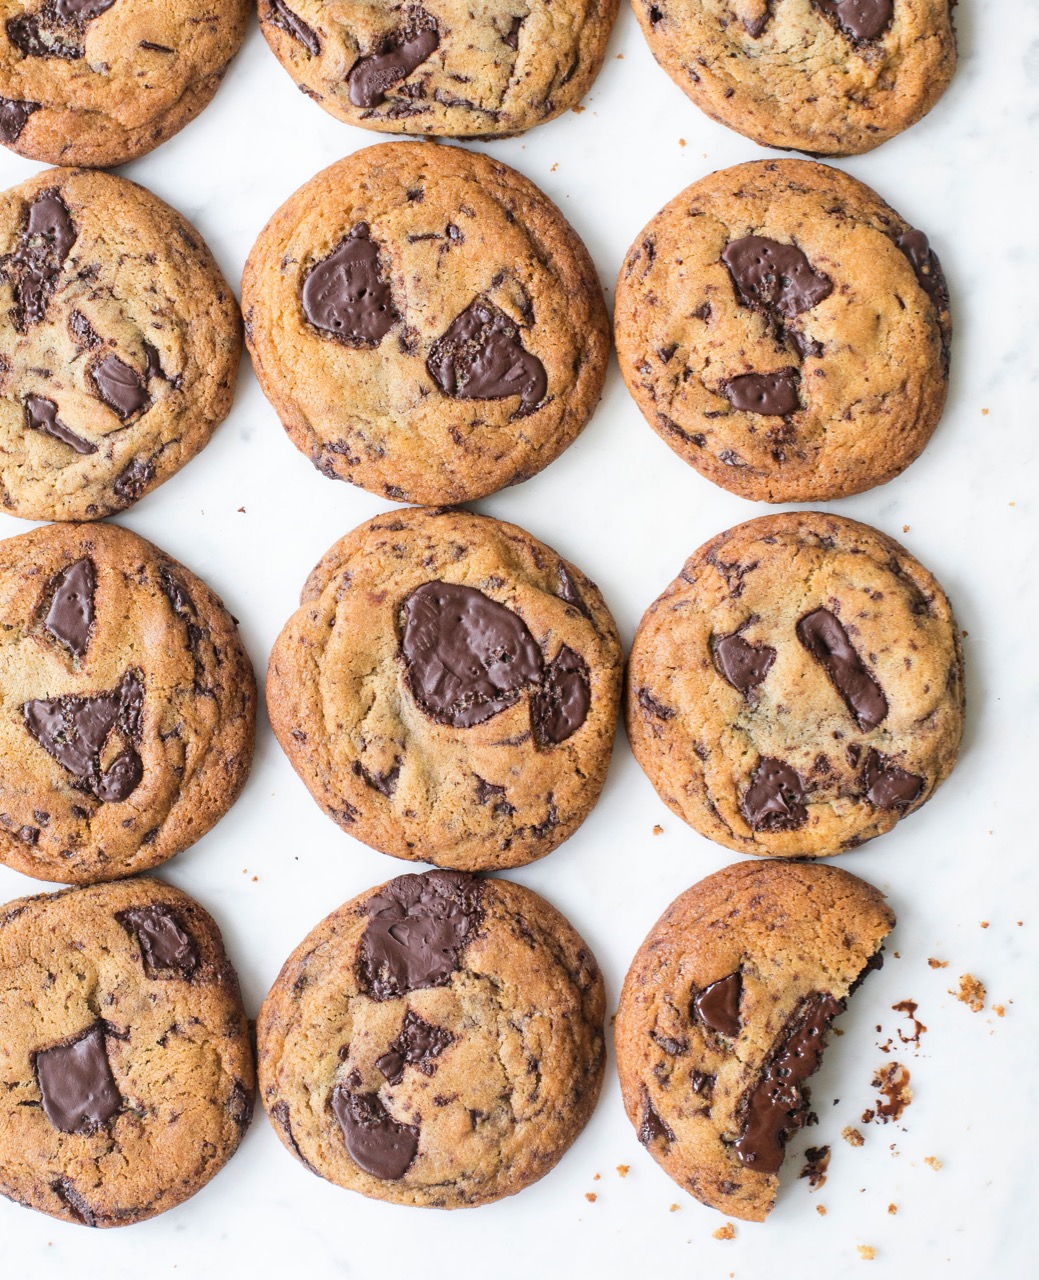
(554, 167)
(999, 1010)
(596, 1177)
(984, 413)
(892, 1209)
(817, 1161)
(658, 830)
(852, 1136)
(984, 924)
(933, 1161)
(673, 1208)
(820, 1209)
(905, 528)
(241, 510)
(938, 964)
(681, 142)
(866, 1252)
(726, 1232)
(892, 1079)
(578, 109)
(591, 1197)
(971, 993)
(623, 1169)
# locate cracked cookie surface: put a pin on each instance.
(101, 82)
(798, 689)
(128, 704)
(785, 332)
(126, 1071)
(448, 689)
(829, 77)
(441, 67)
(121, 350)
(723, 1018)
(451, 298)
(437, 1041)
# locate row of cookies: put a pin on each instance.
(101, 82)
(437, 1041)
(757, 317)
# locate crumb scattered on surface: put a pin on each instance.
(971, 993)
(578, 109)
(984, 924)
(673, 1208)
(658, 830)
(938, 964)
(984, 413)
(999, 1010)
(681, 142)
(242, 510)
(591, 1197)
(623, 1169)
(892, 1209)
(933, 1161)
(817, 1161)
(852, 1136)
(725, 1232)
(596, 1177)
(909, 1008)
(892, 1079)
(554, 167)
(866, 1252)
(821, 1210)
(905, 528)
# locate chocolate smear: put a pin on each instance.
(373, 76)
(41, 415)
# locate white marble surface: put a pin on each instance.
(628, 511)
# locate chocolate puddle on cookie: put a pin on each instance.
(398, 55)
(166, 946)
(57, 29)
(76, 1084)
(480, 356)
(70, 614)
(860, 20)
(345, 294)
(380, 1145)
(14, 115)
(42, 415)
(825, 638)
(775, 277)
(36, 264)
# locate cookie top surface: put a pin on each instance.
(448, 689)
(127, 709)
(830, 77)
(101, 82)
(437, 1041)
(452, 298)
(723, 1017)
(798, 688)
(785, 331)
(121, 348)
(442, 67)
(126, 1071)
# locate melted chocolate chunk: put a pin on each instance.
(83, 331)
(823, 635)
(35, 266)
(888, 786)
(76, 1084)
(741, 664)
(74, 731)
(651, 1126)
(400, 54)
(770, 394)
(568, 591)
(774, 277)
(379, 1144)
(345, 294)
(419, 1044)
(718, 1006)
(559, 706)
(13, 115)
(924, 261)
(57, 30)
(120, 386)
(71, 613)
(417, 928)
(480, 356)
(280, 15)
(775, 799)
(42, 415)
(131, 483)
(775, 1107)
(755, 27)
(166, 946)
(861, 20)
(466, 657)
(511, 37)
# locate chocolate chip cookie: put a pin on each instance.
(724, 1014)
(126, 1074)
(101, 82)
(121, 347)
(448, 689)
(452, 300)
(127, 704)
(441, 67)
(830, 77)
(786, 332)
(798, 688)
(437, 1041)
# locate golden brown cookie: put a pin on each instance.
(785, 331)
(798, 689)
(724, 1014)
(126, 1074)
(452, 300)
(437, 1041)
(128, 704)
(448, 689)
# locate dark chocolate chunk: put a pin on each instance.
(466, 657)
(775, 799)
(651, 1126)
(924, 261)
(280, 15)
(718, 1005)
(71, 612)
(56, 30)
(775, 1107)
(755, 27)
(419, 1044)
(13, 114)
(888, 786)
(42, 415)
(83, 331)
(166, 946)
(652, 707)
(76, 1084)
(823, 635)
(76, 1204)
(771, 276)
(741, 664)
(379, 1144)
(35, 266)
(862, 20)
(559, 706)
(131, 482)
(480, 356)
(771, 394)
(511, 37)
(417, 927)
(120, 386)
(568, 590)
(396, 59)
(345, 294)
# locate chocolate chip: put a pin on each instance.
(166, 946)
(400, 54)
(57, 30)
(418, 1044)
(775, 799)
(823, 635)
(888, 786)
(718, 1005)
(511, 37)
(83, 331)
(71, 613)
(76, 1084)
(417, 927)
(651, 1126)
(770, 394)
(345, 294)
(480, 356)
(924, 261)
(862, 20)
(652, 707)
(568, 590)
(385, 783)
(35, 265)
(42, 415)
(132, 482)
(559, 706)
(775, 277)
(13, 115)
(379, 1144)
(74, 1202)
(280, 15)
(490, 793)
(741, 664)
(120, 386)
(755, 26)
